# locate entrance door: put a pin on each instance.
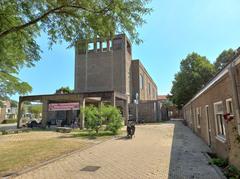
(208, 125)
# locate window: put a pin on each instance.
(219, 120)
(141, 81)
(229, 106)
(90, 46)
(149, 89)
(198, 117)
(104, 46)
(110, 45)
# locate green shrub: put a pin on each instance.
(93, 119)
(9, 121)
(109, 115)
(219, 162)
(112, 117)
(232, 172)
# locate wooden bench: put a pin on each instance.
(15, 131)
(63, 129)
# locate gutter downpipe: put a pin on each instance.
(232, 74)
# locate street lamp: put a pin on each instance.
(136, 103)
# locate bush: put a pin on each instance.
(109, 115)
(231, 172)
(93, 119)
(219, 162)
(112, 117)
(9, 121)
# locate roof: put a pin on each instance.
(162, 97)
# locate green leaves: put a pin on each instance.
(195, 72)
(95, 117)
(68, 20)
(224, 58)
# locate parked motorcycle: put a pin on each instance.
(130, 129)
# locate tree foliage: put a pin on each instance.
(36, 110)
(195, 72)
(22, 21)
(14, 103)
(64, 90)
(95, 117)
(224, 58)
(112, 117)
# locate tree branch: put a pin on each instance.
(55, 10)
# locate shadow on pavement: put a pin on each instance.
(187, 158)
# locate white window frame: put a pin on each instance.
(198, 116)
(228, 107)
(220, 130)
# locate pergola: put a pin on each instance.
(106, 96)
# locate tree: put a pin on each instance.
(224, 58)
(14, 103)
(64, 90)
(112, 117)
(36, 110)
(93, 120)
(195, 72)
(70, 20)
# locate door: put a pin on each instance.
(208, 125)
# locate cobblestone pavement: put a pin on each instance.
(166, 150)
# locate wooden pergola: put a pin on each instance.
(105, 96)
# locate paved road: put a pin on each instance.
(168, 150)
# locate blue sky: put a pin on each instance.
(174, 29)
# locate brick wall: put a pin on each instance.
(220, 91)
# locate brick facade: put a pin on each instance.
(204, 114)
(112, 68)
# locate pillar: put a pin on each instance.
(113, 100)
(108, 45)
(95, 45)
(19, 116)
(82, 116)
(44, 113)
(125, 112)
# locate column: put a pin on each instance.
(95, 45)
(44, 113)
(126, 112)
(19, 116)
(82, 116)
(113, 100)
(101, 49)
(108, 45)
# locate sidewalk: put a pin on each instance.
(161, 151)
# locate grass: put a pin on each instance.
(9, 121)
(19, 151)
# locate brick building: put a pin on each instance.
(205, 112)
(104, 73)
(108, 65)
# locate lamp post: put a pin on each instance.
(136, 103)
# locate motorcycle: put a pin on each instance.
(130, 129)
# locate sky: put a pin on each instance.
(174, 29)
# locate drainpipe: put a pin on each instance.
(232, 74)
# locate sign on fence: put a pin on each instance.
(63, 106)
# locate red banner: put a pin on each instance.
(63, 106)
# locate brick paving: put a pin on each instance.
(167, 150)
